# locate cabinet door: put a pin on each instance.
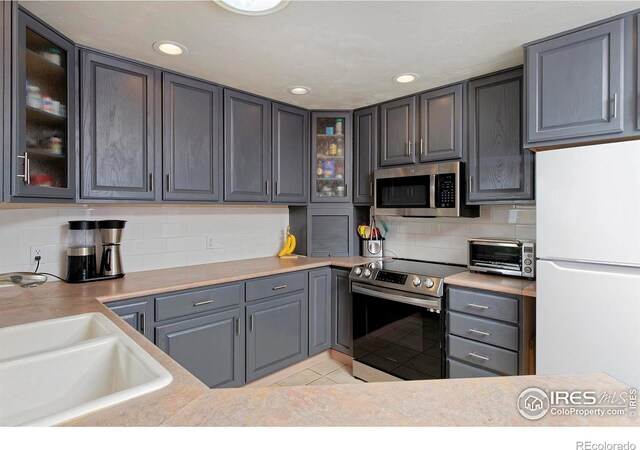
(290, 154)
(341, 306)
(118, 118)
(574, 84)
(136, 313)
(441, 125)
(319, 310)
(499, 169)
(247, 148)
(330, 231)
(44, 93)
(398, 132)
(366, 150)
(192, 139)
(209, 347)
(276, 334)
(5, 74)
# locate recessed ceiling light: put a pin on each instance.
(169, 48)
(253, 7)
(405, 78)
(299, 90)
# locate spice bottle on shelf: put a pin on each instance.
(319, 169)
(34, 99)
(339, 126)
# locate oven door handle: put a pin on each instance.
(387, 295)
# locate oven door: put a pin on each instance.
(396, 336)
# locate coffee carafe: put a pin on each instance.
(81, 251)
(111, 235)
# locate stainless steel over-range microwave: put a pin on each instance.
(503, 256)
(428, 190)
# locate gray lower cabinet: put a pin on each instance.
(499, 169)
(488, 333)
(120, 110)
(192, 139)
(276, 334)
(138, 313)
(341, 310)
(290, 157)
(398, 132)
(441, 125)
(247, 148)
(210, 347)
(365, 138)
(319, 310)
(575, 84)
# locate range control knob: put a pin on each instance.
(428, 283)
(416, 281)
(367, 272)
(357, 271)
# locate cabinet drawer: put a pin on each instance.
(272, 286)
(485, 304)
(482, 355)
(457, 369)
(483, 330)
(193, 302)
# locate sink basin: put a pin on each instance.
(59, 369)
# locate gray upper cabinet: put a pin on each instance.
(44, 125)
(210, 347)
(290, 154)
(319, 310)
(247, 148)
(366, 150)
(120, 109)
(575, 84)
(398, 132)
(276, 334)
(341, 310)
(441, 125)
(137, 313)
(192, 139)
(499, 169)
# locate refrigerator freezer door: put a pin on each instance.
(588, 203)
(588, 320)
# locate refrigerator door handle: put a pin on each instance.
(593, 266)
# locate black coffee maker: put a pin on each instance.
(81, 251)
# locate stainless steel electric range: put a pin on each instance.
(398, 319)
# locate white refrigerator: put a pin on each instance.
(588, 269)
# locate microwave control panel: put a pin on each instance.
(446, 190)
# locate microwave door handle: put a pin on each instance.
(432, 190)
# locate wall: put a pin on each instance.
(154, 237)
(445, 240)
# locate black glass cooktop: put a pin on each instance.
(429, 269)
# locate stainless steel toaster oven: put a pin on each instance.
(503, 256)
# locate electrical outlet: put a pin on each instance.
(36, 251)
(211, 243)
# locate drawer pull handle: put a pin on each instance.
(475, 355)
(206, 302)
(483, 333)
(475, 305)
(277, 288)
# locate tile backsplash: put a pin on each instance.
(154, 237)
(445, 240)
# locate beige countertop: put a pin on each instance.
(186, 401)
(497, 283)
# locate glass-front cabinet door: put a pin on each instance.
(44, 150)
(331, 157)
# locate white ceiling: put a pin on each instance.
(347, 52)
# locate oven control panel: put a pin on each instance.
(433, 286)
(391, 277)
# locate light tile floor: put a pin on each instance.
(326, 372)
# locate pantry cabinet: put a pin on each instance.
(290, 159)
(119, 120)
(499, 169)
(247, 148)
(398, 132)
(441, 126)
(365, 154)
(44, 144)
(192, 139)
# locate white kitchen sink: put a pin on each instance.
(59, 369)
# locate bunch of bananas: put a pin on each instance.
(289, 244)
